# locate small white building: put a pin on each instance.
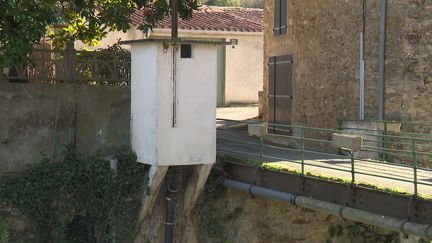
(240, 69)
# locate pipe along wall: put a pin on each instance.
(394, 224)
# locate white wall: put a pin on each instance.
(112, 38)
(244, 63)
(193, 139)
(244, 70)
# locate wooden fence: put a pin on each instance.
(51, 66)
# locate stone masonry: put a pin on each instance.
(323, 36)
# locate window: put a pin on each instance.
(186, 51)
(280, 17)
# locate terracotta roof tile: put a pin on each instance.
(214, 19)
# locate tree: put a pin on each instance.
(224, 3)
(23, 23)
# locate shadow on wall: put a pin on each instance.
(39, 119)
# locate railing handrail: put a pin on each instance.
(326, 130)
(411, 152)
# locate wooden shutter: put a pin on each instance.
(280, 17)
(277, 17)
(280, 96)
(283, 16)
(284, 90)
(272, 91)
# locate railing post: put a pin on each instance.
(261, 150)
(384, 144)
(414, 154)
(70, 62)
(352, 167)
(302, 150)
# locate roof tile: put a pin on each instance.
(214, 19)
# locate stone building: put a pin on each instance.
(314, 47)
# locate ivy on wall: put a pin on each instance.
(80, 199)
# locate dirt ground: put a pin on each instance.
(237, 113)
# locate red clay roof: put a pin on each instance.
(214, 19)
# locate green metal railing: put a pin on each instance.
(408, 153)
(407, 130)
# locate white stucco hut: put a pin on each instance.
(240, 69)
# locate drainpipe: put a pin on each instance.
(381, 60)
(362, 63)
(171, 202)
(394, 224)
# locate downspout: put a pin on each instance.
(362, 63)
(171, 202)
(381, 60)
(394, 224)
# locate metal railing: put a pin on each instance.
(407, 128)
(422, 131)
(407, 160)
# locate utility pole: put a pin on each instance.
(174, 19)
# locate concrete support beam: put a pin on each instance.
(155, 179)
(195, 186)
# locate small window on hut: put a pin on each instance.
(280, 17)
(186, 51)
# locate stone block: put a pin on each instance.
(391, 127)
(257, 130)
(348, 141)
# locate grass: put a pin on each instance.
(272, 166)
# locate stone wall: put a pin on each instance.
(256, 219)
(101, 115)
(237, 217)
(323, 36)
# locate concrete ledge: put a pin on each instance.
(257, 130)
(349, 141)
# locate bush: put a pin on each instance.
(80, 199)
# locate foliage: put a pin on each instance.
(359, 232)
(80, 199)
(224, 3)
(23, 23)
(233, 215)
(210, 224)
(335, 231)
(113, 72)
(424, 241)
(4, 231)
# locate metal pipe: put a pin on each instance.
(390, 223)
(381, 60)
(362, 63)
(171, 203)
(174, 85)
(362, 78)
